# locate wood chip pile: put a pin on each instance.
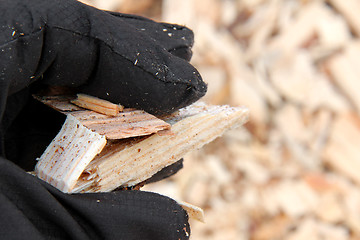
(294, 171)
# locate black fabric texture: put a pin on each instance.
(31, 209)
(29, 134)
(182, 38)
(123, 58)
(71, 44)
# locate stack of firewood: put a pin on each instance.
(294, 171)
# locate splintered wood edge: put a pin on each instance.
(127, 164)
(65, 159)
(97, 105)
(58, 103)
(129, 123)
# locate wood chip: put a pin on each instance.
(129, 123)
(349, 9)
(293, 198)
(332, 30)
(342, 152)
(344, 68)
(330, 208)
(97, 105)
(306, 229)
(194, 212)
(59, 103)
(129, 161)
(302, 29)
(274, 229)
(68, 154)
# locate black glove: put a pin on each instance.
(126, 59)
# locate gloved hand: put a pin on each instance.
(122, 58)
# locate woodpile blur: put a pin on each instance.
(294, 171)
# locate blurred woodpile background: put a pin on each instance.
(294, 171)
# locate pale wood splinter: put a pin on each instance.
(97, 105)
